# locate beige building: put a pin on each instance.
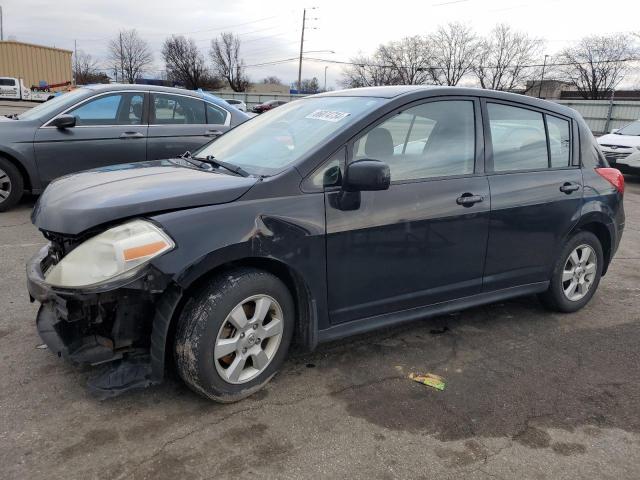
(35, 63)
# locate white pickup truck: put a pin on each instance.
(12, 88)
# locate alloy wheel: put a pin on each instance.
(579, 272)
(5, 186)
(248, 339)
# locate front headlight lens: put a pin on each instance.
(113, 253)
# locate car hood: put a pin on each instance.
(75, 203)
(620, 140)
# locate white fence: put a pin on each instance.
(604, 115)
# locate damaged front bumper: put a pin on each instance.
(108, 325)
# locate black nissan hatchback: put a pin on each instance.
(329, 216)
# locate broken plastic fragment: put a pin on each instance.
(429, 379)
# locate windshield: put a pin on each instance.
(631, 129)
(50, 106)
(267, 144)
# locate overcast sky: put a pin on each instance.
(270, 30)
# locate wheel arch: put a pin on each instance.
(601, 229)
(13, 159)
(175, 297)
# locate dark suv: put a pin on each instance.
(329, 216)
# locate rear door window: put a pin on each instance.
(7, 82)
(518, 138)
(216, 115)
(177, 110)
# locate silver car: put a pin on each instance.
(102, 125)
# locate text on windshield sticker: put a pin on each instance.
(327, 115)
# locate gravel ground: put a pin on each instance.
(530, 395)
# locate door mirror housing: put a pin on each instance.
(367, 175)
(614, 130)
(63, 121)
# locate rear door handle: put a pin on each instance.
(569, 187)
(468, 199)
(213, 133)
(128, 135)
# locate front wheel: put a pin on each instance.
(11, 185)
(234, 333)
(576, 275)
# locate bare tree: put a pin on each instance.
(597, 64)
(184, 62)
(405, 62)
(130, 55)
(86, 70)
(505, 58)
(272, 79)
(366, 72)
(454, 49)
(225, 54)
(310, 85)
(409, 60)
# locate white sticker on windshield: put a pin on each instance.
(327, 115)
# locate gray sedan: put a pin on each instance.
(102, 125)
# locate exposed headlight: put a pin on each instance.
(113, 253)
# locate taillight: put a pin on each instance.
(613, 176)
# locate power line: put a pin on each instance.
(559, 64)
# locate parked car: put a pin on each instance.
(621, 143)
(239, 104)
(314, 222)
(270, 105)
(100, 125)
(630, 164)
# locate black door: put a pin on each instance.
(110, 129)
(178, 123)
(536, 193)
(423, 240)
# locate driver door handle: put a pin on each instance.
(568, 187)
(213, 133)
(468, 199)
(129, 135)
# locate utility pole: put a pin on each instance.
(544, 64)
(1, 26)
(304, 19)
(75, 62)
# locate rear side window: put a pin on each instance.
(7, 82)
(518, 138)
(216, 115)
(434, 139)
(559, 141)
(177, 110)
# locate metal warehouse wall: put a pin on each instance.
(604, 115)
(34, 63)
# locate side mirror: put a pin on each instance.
(614, 130)
(64, 121)
(367, 175)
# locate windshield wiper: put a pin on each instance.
(211, 160)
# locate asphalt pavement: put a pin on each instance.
(529, 395)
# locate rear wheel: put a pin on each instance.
(11, 185)
(234, 334)
(576, 275)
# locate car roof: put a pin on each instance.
(151, 88)
(414, 91)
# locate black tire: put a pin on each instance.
(17, 184)
(554, 298)
(202, 319)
